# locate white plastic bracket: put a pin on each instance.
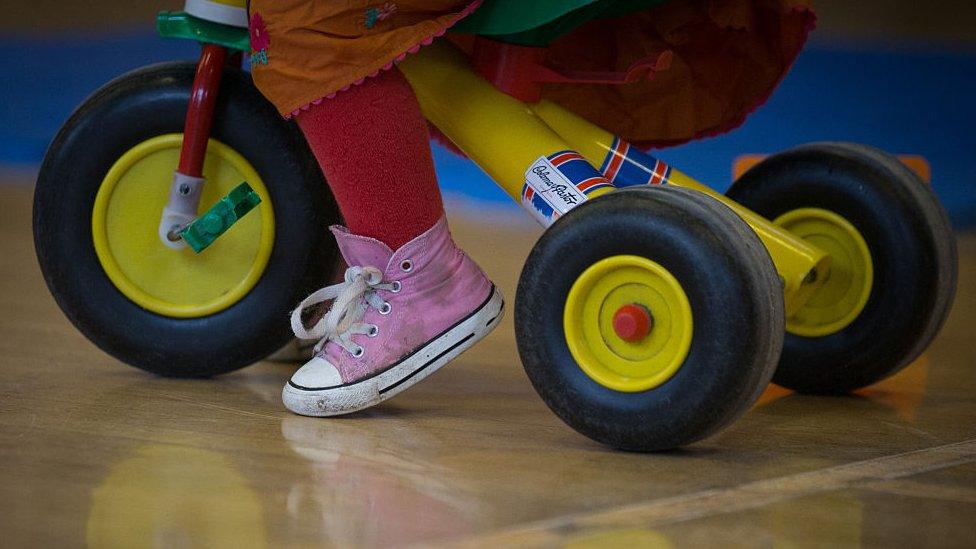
(181, 210)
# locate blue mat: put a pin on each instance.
(904, 102)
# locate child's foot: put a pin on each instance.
(398, 317)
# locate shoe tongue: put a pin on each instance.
(361, 251)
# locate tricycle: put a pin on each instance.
(651, 313)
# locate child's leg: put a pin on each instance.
(372, 144)
(411, 300)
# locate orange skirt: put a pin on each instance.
(729, 55)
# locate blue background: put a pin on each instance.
(904, 101)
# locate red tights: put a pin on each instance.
(372, 144)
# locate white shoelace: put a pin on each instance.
(344, 319)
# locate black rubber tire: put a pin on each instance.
(912, 248)
(735, 298)
(137, 106)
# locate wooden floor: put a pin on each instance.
(94, 451)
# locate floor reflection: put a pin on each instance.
(367, 486)
(364, 490)
(175, 496)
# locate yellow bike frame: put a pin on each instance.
(505, 136)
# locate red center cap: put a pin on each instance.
(632, 322)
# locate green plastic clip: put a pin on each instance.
(214, 222)
(178, 24)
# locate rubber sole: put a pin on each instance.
(352, 397)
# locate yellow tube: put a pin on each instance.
(802, 266)
(499, 133)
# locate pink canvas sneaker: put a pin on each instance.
(397, 318)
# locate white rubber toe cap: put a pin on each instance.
(317, 373)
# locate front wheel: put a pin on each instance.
(649, 318)
(99, 199)
(893, 254)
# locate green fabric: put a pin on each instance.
(539, 22)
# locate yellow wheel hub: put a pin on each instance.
(843, 295)
(604, 289)
(178, 283)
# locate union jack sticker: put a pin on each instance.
(626, 166)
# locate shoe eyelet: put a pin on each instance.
(358, 352)
(406, 265)
(397, 286)
(374, 331)
(386, 308)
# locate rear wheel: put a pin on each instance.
(649, 318)
(894, 263)
(98, 203)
